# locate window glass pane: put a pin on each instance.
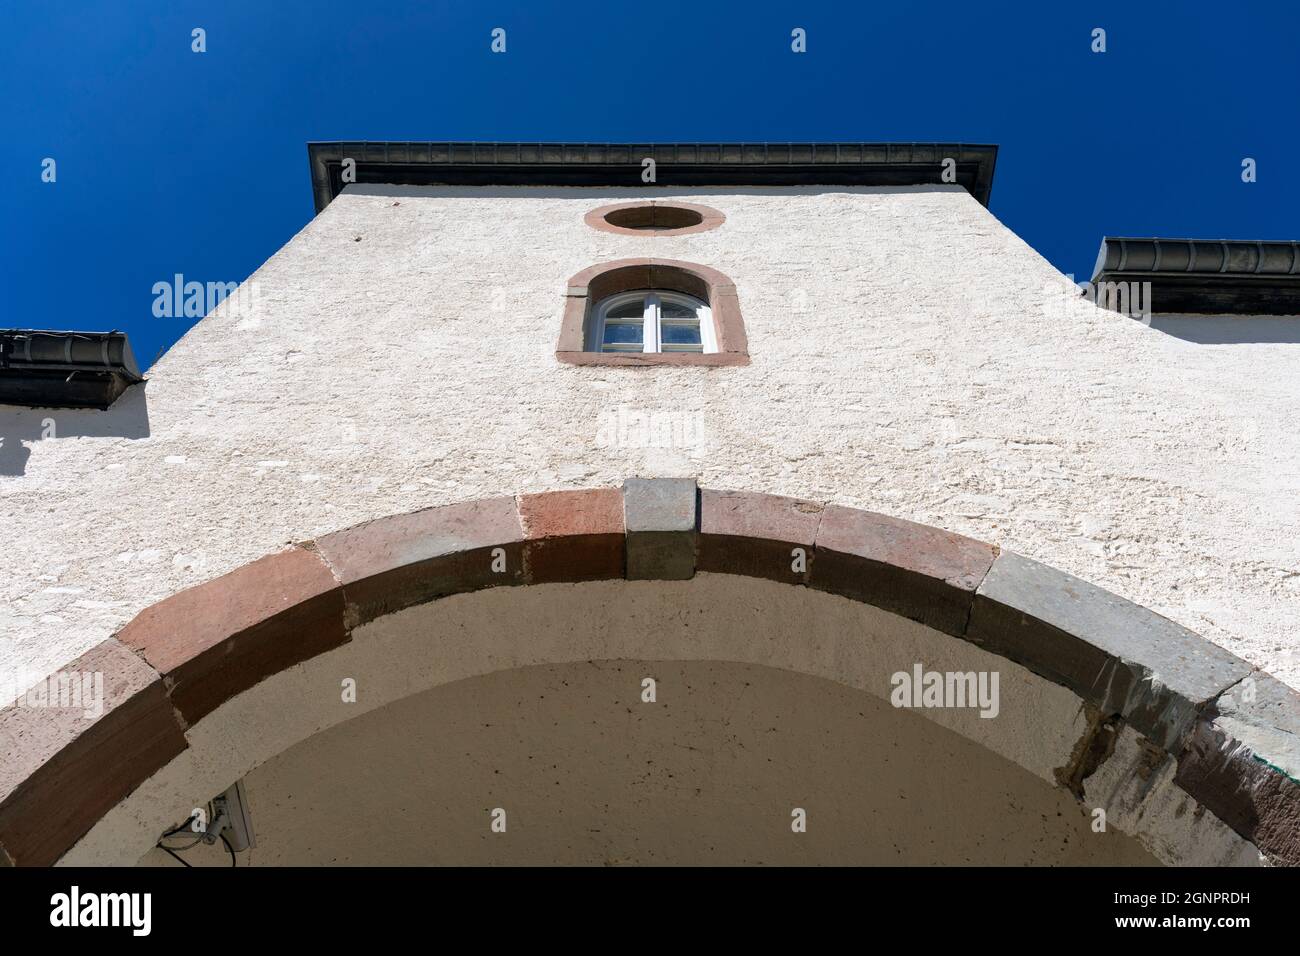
(674, 310)
(679, 333)
(623, 333)
(628, 310)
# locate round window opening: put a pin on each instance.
(654, 218)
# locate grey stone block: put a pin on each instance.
(660, 516)
(1264, 715)
(1121, 657)
(1243, 763)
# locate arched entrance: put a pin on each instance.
(1097, 700)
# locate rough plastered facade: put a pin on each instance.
(908, 355)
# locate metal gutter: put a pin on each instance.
(677, 164)
(48, 369)
(1207, 277)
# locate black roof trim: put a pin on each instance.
(1207, 276)
(46, 369)
(677, 164)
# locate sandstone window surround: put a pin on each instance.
(654, 218)
(593, 285)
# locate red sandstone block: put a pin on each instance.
(573, 535)
(392, 563)
(222, 637)
(915, 571)
(756, 535)
(62, 767)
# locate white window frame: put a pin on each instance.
(651, 320)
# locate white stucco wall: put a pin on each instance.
(909, 356)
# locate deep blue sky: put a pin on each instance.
(171, 161)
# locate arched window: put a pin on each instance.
(651, 320)
(651, 312)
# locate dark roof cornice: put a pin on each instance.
(1207, 277)
(48, 369)
(677, 164)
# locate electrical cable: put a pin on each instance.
(181, 849)
(175, 851)
(169, 852)
(172, 850)
(184, 826)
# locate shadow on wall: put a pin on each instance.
(595, 193)
(21, 428)
(1230, 330)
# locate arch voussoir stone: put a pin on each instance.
(396, 562)
(1123, 658)
(757, 535)
(212, 641)
(1232, 732)
(62, 769)
(572, 536)
(918, 572)
(1242, 762)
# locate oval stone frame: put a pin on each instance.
(647, 213)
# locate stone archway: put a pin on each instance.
(1115, 704)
